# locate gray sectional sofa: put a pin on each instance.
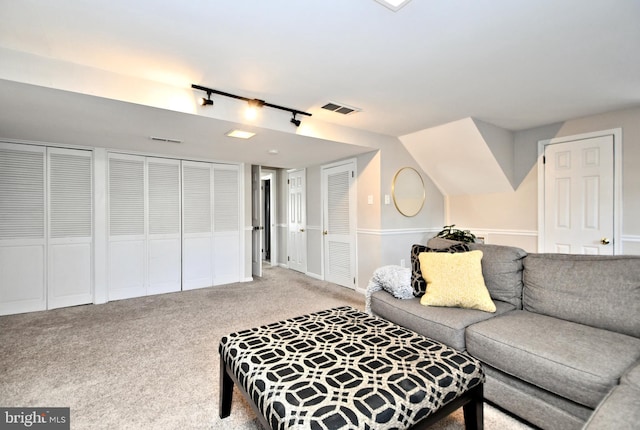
(562, 350)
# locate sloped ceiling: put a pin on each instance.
(465, 157)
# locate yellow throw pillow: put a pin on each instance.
(455, 280)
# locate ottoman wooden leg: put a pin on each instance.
(473, 412)
(226, 390)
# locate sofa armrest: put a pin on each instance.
(619, 409)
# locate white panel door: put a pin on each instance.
(579, 196)
(70, 231)
(22, 229)
(164, 230)
(126, 227)
(197, 222)
(226, 224)
(339, 219)
(297, 243)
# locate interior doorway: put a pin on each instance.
(269, 217)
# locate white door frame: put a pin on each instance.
(617, 183)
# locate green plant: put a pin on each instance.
(449, 232)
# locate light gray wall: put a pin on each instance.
(384, 236)
(511, 218)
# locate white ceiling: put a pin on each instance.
(514, 64)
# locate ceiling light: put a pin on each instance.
(241, 134)
(252, 111)
(254, 104)
(207, 101)
(394, 5)
(295, 121)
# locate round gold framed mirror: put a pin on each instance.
(408, 192)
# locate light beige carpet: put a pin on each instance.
(152, 362)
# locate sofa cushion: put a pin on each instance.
(446, 325)
(455, 280)
(502, 271)
(600, 291)
(572, 360)
(418, 283)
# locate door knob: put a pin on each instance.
(325, 232)
(302, 230)
(604, 241)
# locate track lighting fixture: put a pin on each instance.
(253, 103)
(207, 101)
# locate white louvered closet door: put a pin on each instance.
(197, 231)
(226, 225)
(22, 228)
(70, 231)
(164, 238)
(339, 224)
(126, 227)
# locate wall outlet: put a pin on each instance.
(402, 262)
(370, 199)
(387, 199)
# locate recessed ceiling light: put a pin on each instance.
(394, 5)
(241, 134)
(273, 151)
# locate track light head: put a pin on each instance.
(256, 103)
(295, 121)
(207, 101)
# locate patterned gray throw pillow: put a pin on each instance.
(418, 283)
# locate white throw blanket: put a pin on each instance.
(394, 279)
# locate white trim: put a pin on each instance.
(476, 231)
(397, 231)
(118, 151)
(617, 182)
(315, 276)
(630, 238)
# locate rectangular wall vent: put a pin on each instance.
(341, 108)
(164, 139)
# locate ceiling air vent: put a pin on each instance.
(164, 139)
(341, 108)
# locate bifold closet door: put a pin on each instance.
(211, 220)
(126, 227)
(22, 229)
(197, 228)
(226, 224)
(144, 226)
(164, 247)
(70, 231)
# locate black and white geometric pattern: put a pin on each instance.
(343, 368)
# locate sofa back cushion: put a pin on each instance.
(595, 290)
(502, 271)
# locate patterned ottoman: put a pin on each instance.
(344, 369)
